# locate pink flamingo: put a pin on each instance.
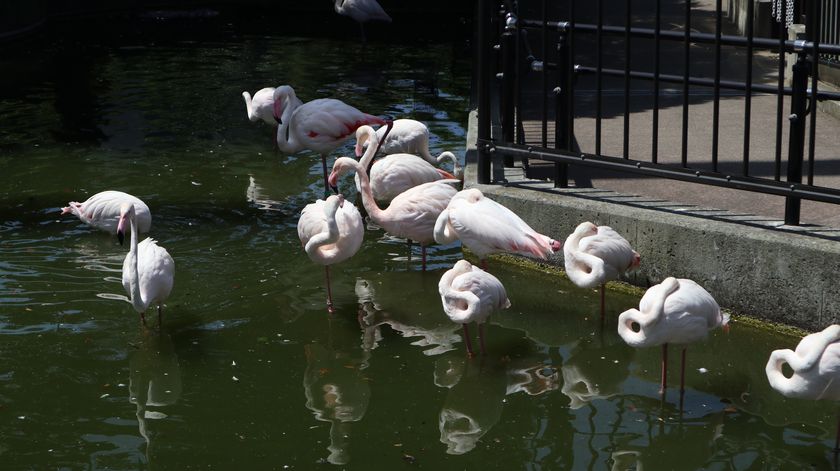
(103, 211)
(411, 214)
(484, 226)
(362, 11)
(395, 173)
(261, 105)
(407, 136)
(816, 369)
(331, 231)
(470, 294)
(319, 125)
(596, 254)
(674, 311)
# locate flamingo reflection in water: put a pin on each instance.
(336, 388)
(154, 382)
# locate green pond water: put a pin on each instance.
(248, 370)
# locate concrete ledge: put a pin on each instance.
(753, 266)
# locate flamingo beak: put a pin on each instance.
(121, 230)
(334, 189)
(278, 112)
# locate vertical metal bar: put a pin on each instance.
(564, 100)
(780, 96)
(815, 69)
(686, 64)
(520, 138)
(627, 19)
(656, 66)
(745, 164)
(544, 77)
(796, 145)
(716, 106)
(483, 90)
(599, 82)
(507, 42)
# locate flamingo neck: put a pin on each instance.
(668, 286)
(136, 298)
(373, 210)
(247, 97)
(331, 235)
(789, 387)
(456, 166)
(370, 151)
(286, 140)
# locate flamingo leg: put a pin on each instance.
(481, 338)
(423, 248)
(837, 439)
(484, 264)
(603, 296)
(330, 308)
(467, 341)
(143, 318)
(408, 242)
(326, 176)
(160, 310)
(682, 379)
(664, 369)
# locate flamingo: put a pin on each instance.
(395, 173)
(596, 254)
(816, 369)
(678, 311)
(319, 125)
(261, 106)
(411, 214)
(407, 136)
(148, 270)
(331, 231)
(362, 11)
(485, 226)
(470, 294)
(102, 211)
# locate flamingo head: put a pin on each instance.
(586, 229)
(637, 260)
(341, 167)
(363, 133)
(281, 94)
(556, 245)
(126, 214)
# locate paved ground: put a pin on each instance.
(762, 129)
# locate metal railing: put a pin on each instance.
(522, 48)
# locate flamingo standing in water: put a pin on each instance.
(675, 311)
(260, 106)
(407, 136)
(103, 211)
(411, 214)
(596, 254)
(485, 226)
(470, 294)
(319, 125)
(331, 231)
(816, 369)
(395, 173)
(148, 270)
(362, 11)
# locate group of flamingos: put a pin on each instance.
(424, 205)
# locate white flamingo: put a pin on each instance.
(362, 11)
(148, 270)
(331, 231)
(395, 173)
(675, 311)
(319, 125)
(485, 226)
(407, 136)
(260, 106)
(411, 214)
(470, 294)
(597, 254)
(102, 211)
(816, 369)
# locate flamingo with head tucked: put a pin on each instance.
(103, 211)
(261, 105)
(148, 270)
(319, 125)
(395, 173)
(816, 369)
(485, 226)
(675, 311)
(597, 254)
(331, 231)
(407, 136)
(411, 214)
(470, 294)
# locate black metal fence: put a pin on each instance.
(532, 54)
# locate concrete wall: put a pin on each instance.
(762, 272)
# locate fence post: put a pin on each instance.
(796, 142)
(561, 112)
(508, 44)
(483, 91)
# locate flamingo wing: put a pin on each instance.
(412, 214)
(326, 122)
(406, 136)
(396, 173)
(609, 246)
(157, 272)
(312, 221)
(102, 211)
(351, 230)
